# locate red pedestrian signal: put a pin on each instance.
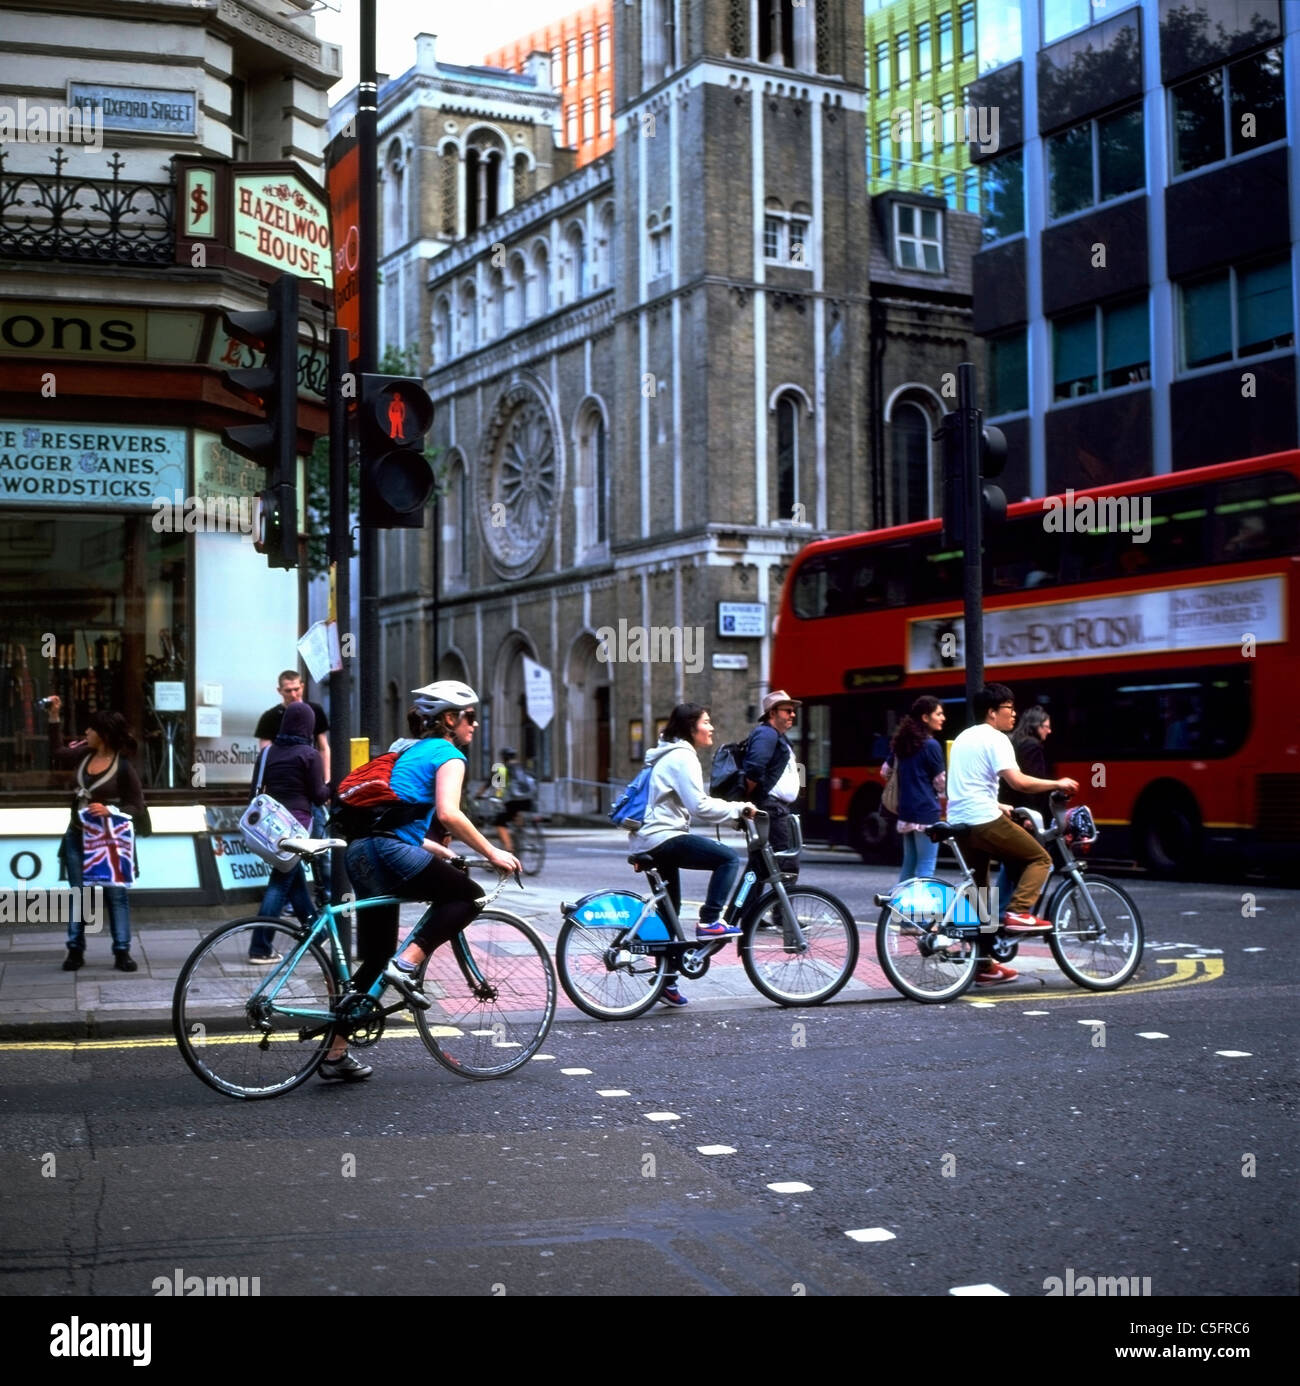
(396, 479)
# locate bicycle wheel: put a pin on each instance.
(918, 968)
(603, 979)
(1104, 958)
(826, 962)
(490, 1022)
(238, 1024)
(532, 848)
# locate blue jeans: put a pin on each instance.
(919, 856)
(283, 885)
(698, 854)
(116, 898)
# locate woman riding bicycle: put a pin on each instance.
(407, 859)
(676, 798)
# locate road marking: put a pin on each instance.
(791, 1186)
(871, 1234)
(576, 1072)
(1187, 972)
(716, 1149)
(612, 1092)
(1090, 1022)
(985, 1289)
(1031, 1012)
(1234, 1053)
(662, 1116)
(979, 1003)
(1254, 950)
(543, 1058)
(1151, 1034)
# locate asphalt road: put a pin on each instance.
(879, 1148)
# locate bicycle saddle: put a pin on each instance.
(641, 860)
(942, 831)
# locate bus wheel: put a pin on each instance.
(871, 830)
(1168, 832)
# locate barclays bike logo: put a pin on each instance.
(605, 916)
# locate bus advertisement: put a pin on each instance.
(1154, 620)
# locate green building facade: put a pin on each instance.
(920, 55)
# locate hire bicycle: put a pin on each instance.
(798, 944)
(255, 1031)
(928, 934)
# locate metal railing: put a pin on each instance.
(91, 220)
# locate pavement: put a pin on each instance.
(39, 1001)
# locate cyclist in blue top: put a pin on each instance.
(409, 856)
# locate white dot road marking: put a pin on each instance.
(1035, 1012)
(984, 1289)
(1254, 950)
(576, 1072)
(1090, 1022)
(612, 1092)
(542, 1058)
(716, 1149)
(662, 1116)
(981, 1003)
(1234, 1053)
(791, 1186)
(1151, 1034)
(871, 1234)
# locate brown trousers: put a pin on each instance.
(1007, 841)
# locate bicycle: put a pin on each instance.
(492, 987)
(927, 936)
(529, 842)
(799, 945)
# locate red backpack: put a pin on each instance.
(367, 804)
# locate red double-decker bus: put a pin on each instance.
(1155, 620)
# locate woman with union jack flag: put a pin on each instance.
(96, 833)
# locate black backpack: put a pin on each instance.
(727, 777)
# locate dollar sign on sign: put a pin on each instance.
(199, 202)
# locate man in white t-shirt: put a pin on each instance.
(981, 758)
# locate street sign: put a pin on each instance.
(742, 619)
(539, 693)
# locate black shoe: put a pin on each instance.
(74, 960)
(124, 962)
(345, 1068)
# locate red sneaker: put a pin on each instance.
(1025, 924)
(991, 974)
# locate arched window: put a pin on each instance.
(576, 247)
(660, 231)
(485, 165)
(540, 285)
(787, 457)
(394, 197)
(909, 436)
(455, 524)
(442, 344)
(785, 33)
(468, 317)
(496, 303)
(591, 492)
(520, 189)
(606, 247)
(515, 293)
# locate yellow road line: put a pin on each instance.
(169, 1042)
(1187, 972)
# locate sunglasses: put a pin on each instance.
(470, 715)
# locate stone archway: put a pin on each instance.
(588, 693)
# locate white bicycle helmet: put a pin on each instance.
(444, 695)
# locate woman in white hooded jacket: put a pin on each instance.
(676, 799)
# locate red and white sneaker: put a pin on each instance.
(992, 973)
(1025, 924)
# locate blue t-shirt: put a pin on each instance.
(413, 780)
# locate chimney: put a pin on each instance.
(538, 66)
(426, 58)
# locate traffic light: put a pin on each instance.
(993, 458)
(273, 387)
(396, 479)
(954, 481)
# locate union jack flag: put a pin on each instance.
(108, 849)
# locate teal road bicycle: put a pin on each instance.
(254, 1031)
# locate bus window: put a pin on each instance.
(1256, 517)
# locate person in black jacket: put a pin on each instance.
(771, 770)
(1028, 741)
(104, 777)
(295, 775)
(917, 759)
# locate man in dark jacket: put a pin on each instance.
(770, 768)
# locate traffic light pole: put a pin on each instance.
(973, 553)
(340, 555)
(368, 226)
